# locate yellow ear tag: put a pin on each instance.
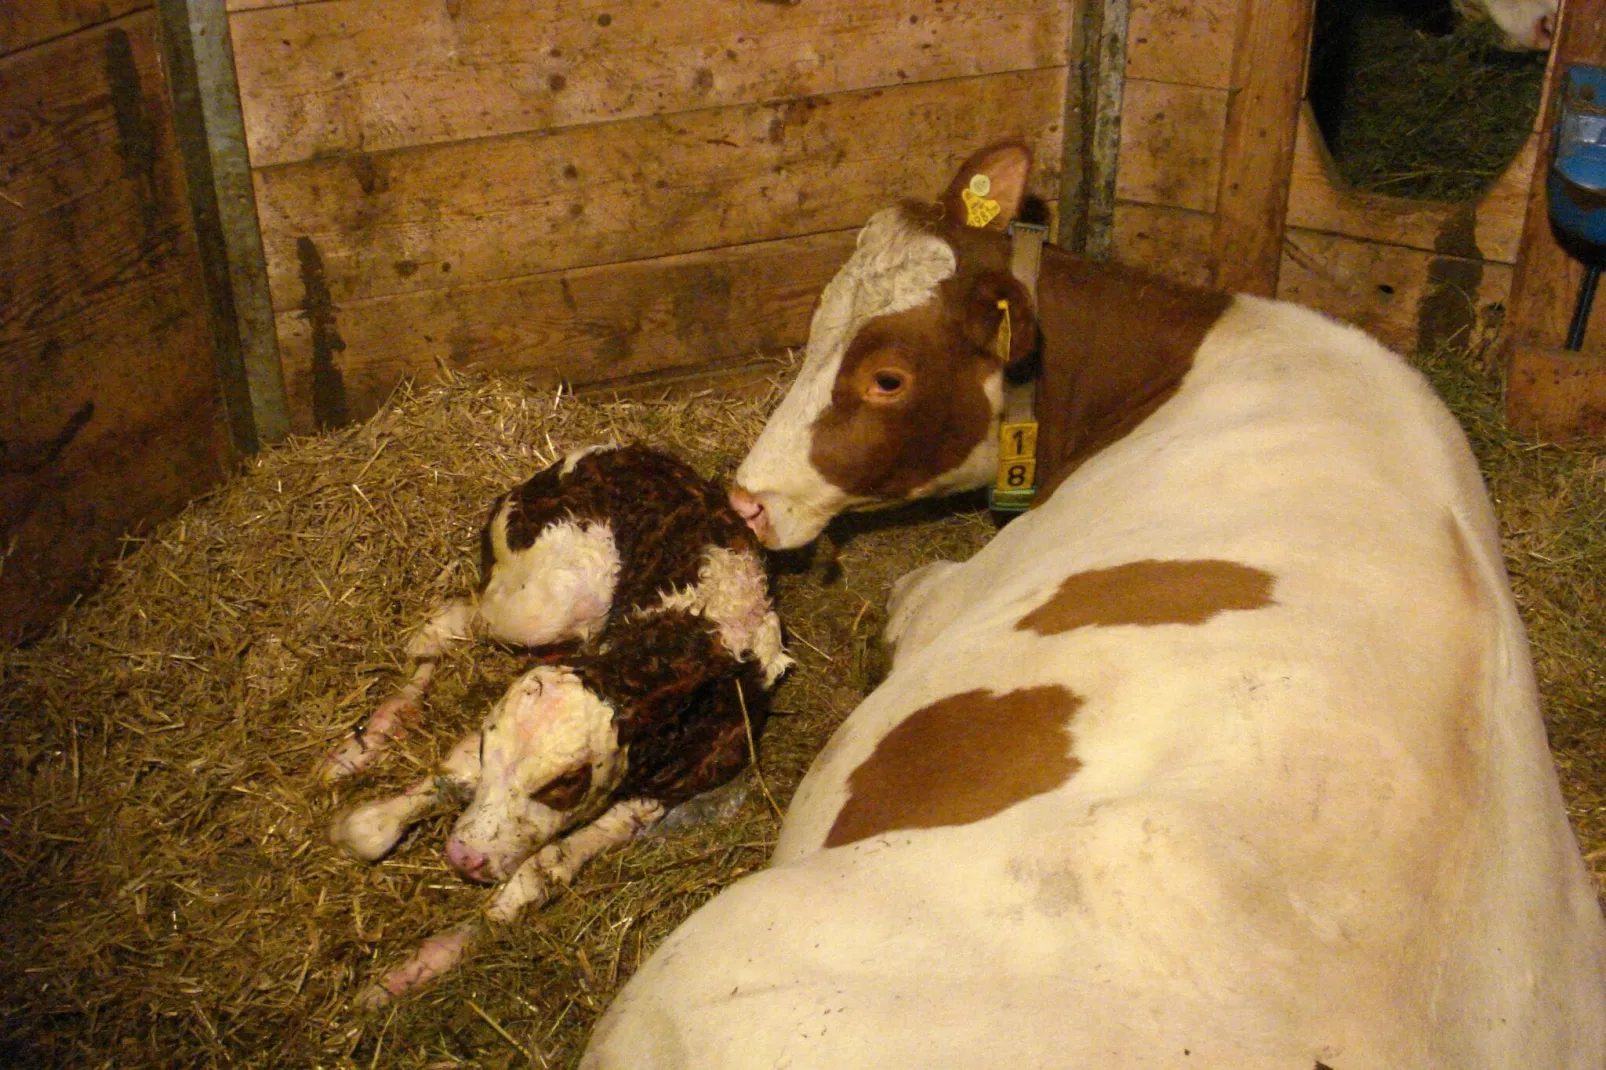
(1002, 344)
(979, 210)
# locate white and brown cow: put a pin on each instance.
(1226, 754)
(1523, 24)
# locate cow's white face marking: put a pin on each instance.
(547, 727)
(897, 266)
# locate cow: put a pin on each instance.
(1226, 753)
(1524, 25)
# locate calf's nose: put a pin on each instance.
(465, 859)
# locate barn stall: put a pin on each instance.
(224, 227)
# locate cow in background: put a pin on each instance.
(1226, 754)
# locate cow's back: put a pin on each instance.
(1239, 764)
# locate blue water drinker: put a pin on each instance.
(1576, 183)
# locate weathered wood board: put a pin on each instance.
(1184, 42)
(351, 76)
(24, 23)
(1171, 145)
(108, 401)
(589, 325)
(402, 238)
(1406, 297)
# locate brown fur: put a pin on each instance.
(1149, 593)
(960, 760)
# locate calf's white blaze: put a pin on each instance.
(895, 267)
(546, 725)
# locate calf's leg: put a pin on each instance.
(370, 831)
(450, 626)
(560, 862)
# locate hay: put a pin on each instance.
(1415, 113)
(172, 898)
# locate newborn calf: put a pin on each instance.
(633, 554)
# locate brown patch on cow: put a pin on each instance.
(1150, 592)
(960, 760)
(1117, 343)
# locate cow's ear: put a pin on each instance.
(989, 298)
(988, 189)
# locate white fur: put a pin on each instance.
(733, 592)
(1323, 830)
(559, 587)
(546, 725)
(896, 267)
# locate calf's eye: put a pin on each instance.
(565, 792)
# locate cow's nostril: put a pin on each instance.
(747, 507)
(1544, 31)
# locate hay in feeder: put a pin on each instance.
(172, 897)
(1410, 106)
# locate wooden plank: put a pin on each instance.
(1171, 137)
(1406, 297)
(25, 23)
(107, 396)
(589, 325)
(369, 75)
(1556, 393)
(1268, 81)
(1171, 242)
(608, 193)
(1545, 397)
(1489, 229)
(1187, 42)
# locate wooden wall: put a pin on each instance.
(108, 401)
(599, 190)
(1258, 205)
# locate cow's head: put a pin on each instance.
(901, 385)
(1523, 24)
(548, 749)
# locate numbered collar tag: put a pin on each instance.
(1016, 484)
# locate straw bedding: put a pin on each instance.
(171, 897)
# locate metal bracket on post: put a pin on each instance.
(199, 56)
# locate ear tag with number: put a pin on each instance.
(979, 208)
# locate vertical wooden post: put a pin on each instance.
(1550, 391)
(1097, 58)
(211, 134)
(1268, 81)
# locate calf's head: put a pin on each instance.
(902, 379)
(548, 749)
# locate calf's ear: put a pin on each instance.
(988, 189)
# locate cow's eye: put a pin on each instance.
(888, 383)
(566, 791)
